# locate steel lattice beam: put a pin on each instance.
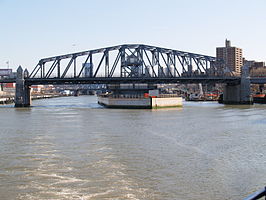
(127, 61)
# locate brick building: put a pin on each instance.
(232, 56)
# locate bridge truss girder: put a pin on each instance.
(129, 61)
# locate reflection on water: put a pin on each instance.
(72, 148)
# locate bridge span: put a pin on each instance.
(132, 63)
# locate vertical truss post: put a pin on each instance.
(75, 67)
(140, 60)
(186, 63)
(153, 59)
(41, 67)
(91, 63)
(173, 60)
(157, 61)
(123, 61)
(106, 53)
(190, 65)
(207, 66)
(145, 68)
(43, 70)
(154, 62)
(58, 69)
(151, 63)
(169, 65)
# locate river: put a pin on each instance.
(72, 148)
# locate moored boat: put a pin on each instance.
(259, 98)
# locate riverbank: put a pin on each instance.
(11, 99)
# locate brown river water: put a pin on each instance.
(72, 148)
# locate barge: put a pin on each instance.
(142, 102)
(142, 96)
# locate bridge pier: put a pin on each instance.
(239, 93)
(23, 91)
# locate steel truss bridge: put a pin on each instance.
(131, 63)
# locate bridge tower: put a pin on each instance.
(239, 93)
(22, 97)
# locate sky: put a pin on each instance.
(34, 29)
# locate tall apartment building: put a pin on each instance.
(232, 56)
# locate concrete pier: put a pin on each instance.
(23, 96)
(239, 93)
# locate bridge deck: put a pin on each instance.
(110, 80)
(114, 80)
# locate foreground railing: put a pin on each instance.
(257, 195)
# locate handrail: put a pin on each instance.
(257, 195)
